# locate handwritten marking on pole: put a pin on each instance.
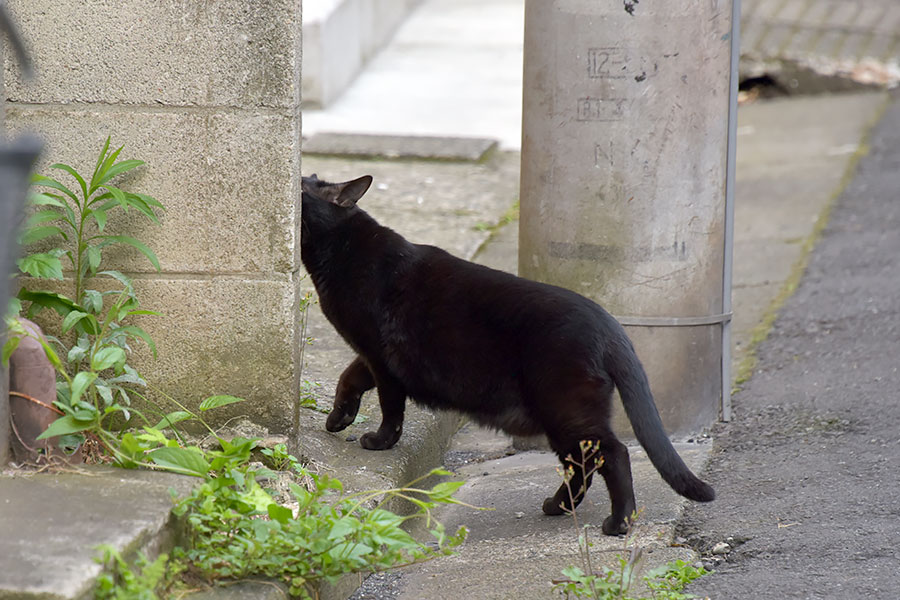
(600, 109)
(603, 157)
(607, 63)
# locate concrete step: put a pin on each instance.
(339, 38)
(52, 523)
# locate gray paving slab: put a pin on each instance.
(51, 524)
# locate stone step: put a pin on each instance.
(52, 523)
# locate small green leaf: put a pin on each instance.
(279, 513)
(141, 246)
(42, 265)
(74, 174)
(13, 307)
(257, 497)
(52, 183)
(76, 316)
(105, 393)
(65, 425)
(51, 355)
(76, 354)
(36, 199)
(107, 357)
(80, 383)
(150, 201)
(143, 312)
(93, 301)
(136, 331)
(342, 527)
(217, 401)
(443, 492)
(43, 216)
(61, 304)
(181, 460)
(130, 376)
(100, 158)
(137, 201)
(172, 418)
(35, 234)
(117, 169)
(9, 347)
(71, 319)
(107, 162)
(100, 217)
(93, 256)
(118, 277)
(119, 195)
(153, 434)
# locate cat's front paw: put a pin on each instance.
(613, 526)
(553, 507)
(374, 441)
(338, 420)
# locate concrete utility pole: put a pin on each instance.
(628, 111)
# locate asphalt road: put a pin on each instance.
(807, 474)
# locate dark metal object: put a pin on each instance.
(9, 28)
(16, 160)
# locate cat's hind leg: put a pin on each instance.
(579, 464)
(615, 467)
(576, 416)
(355, 381)
(616, 472)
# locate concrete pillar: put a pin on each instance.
(625, 129)
(208, 94)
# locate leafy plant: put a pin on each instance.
(608, 583)
(668, 581)
(79, 217)
(95, 380)
(279, 457)
(121, 581)
(237, 530)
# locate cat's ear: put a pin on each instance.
(348, 193)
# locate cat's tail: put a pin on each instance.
(630, 378)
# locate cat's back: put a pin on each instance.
(493, 297)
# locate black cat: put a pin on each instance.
(516, 355)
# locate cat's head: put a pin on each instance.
(344, 195)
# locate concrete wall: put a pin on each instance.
(208, 94)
